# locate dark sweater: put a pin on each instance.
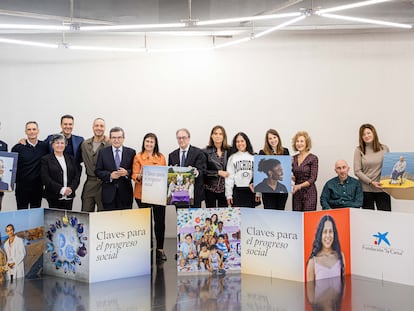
(28, 163)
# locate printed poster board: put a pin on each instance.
(397, 175)
(272, 173)
(8, 169)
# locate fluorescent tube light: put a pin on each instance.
(350, 6)
(105, 49)
(34, 27)
(368, 21)
(246, 19)
(131, 27)
(292, 21)
(29, 43)
(219, 46)
(176, 50)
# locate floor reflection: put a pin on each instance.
(165, 291)
(209, 292)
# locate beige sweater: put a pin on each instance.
(368, 166)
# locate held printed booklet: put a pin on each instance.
(171, 185)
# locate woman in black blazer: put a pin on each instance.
(60, 175)
(217, 153)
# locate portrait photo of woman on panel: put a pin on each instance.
(326, 259)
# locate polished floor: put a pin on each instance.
(164, 290)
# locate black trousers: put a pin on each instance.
(243, 197)
(214, 199)
(381, 199)
(60, 204)
(117, 203)
(29, 195)
(158, 212)
(274, 200)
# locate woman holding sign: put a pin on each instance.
(150, 155)
(273, 146)
(368, 158)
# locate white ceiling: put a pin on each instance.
(114, 12)
(170, 11)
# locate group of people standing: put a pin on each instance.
(223, 172)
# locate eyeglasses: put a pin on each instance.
(182, 137)
(117, 138)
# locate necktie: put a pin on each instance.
(182, 158)
(117, 159)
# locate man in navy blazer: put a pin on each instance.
(114, 168)
(73, 142)
(193, 157)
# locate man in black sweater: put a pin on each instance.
(29, 188)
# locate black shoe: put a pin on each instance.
(161, 255)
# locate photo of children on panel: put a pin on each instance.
(180, 190)
(398, 170)
(272, 174)
(208, 241)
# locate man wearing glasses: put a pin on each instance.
(188, 155)
(114, 168)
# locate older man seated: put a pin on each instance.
(342, 190)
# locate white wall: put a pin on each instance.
(327, 84)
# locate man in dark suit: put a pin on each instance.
(187, 155)
(114, 168)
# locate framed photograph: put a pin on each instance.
(8, 169)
